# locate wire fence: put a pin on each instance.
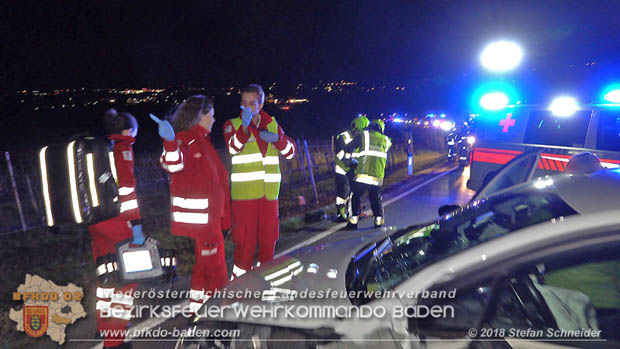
(21, 200)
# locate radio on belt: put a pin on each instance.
(140, 263)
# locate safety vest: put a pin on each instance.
(340, 167)
(372, 156)
(253, 175)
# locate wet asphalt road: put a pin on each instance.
(414, 201)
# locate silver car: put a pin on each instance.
(537, 262)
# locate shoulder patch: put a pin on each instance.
(127, 155)
(228, 129)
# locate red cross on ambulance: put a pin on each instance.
(507, 122)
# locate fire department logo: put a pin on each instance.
(35, 320)
(48, 309)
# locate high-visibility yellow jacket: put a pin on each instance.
(371, 155)
(343, 157)
(256, 163)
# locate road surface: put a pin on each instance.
(414, 201)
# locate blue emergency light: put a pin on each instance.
(494, 101)
(564, 106)
(612, 96)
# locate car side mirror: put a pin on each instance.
(445, 209)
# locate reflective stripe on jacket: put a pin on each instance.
(343, 158)
(255, 163)
(199, 196)
(372, 156)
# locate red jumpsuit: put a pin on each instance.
(200, 206)
(255, 221)
(105, 235)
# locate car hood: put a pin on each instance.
(310, 276)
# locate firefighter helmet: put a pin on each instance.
(380, 125)
(360, 123)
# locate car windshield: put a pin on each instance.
(382, 266)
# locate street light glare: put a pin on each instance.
(501, 56)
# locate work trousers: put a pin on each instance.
(255, 223)
(209, 272)
(114, 302)
(374, 195)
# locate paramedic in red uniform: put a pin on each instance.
(200, 199)
(255, 142)
(113, 300)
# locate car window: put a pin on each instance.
(545, 128)
(386, 264)
(608, 137)
(550, 298)
(517, 171)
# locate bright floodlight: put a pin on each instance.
(494, 101)
(612, 96)
(446, 125)
(501, 56)
(564, 106)
(436, 123)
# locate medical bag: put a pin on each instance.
(78, 182)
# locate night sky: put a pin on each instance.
(210, 43)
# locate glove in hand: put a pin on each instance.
(138, 235)
(246, 116)
(164, 128)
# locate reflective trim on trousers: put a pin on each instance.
(189, 203)
(125, 190)
(129, 205)
(190, 217)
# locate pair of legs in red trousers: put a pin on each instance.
(255, 223)
(209, 272)
(113, 302)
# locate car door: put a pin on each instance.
(565, 297)
(518, 170)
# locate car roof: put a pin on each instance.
(585, 193)
(590, 193)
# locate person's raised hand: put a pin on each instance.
(164, 128)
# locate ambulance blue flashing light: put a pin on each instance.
(494, 101)
(612, 96)
(564, 106)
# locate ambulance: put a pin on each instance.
(555, 132)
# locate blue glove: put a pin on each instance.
(164, 128)
(269, 137)
(138, 235)
(246, 116)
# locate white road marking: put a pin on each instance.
(342, 225)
